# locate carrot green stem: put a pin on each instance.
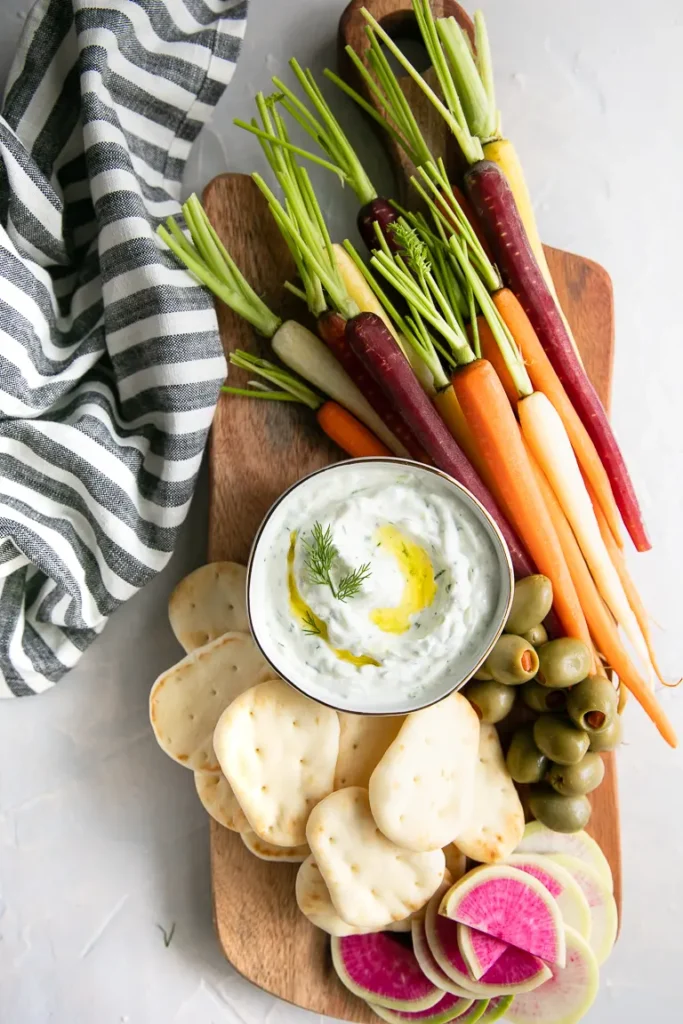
(453, 116)
(273, 396)
(481, 118)
(292, 386)
(209, 261)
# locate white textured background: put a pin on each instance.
(101, 837)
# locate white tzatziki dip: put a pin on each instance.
(374, 585)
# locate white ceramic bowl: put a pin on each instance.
(461, 669)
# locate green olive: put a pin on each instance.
(563, 662)
(540, 698)
(491, 700)
(577, 779)
(525, 762)
(559, 740)
(536, 636)
(531, 602)
(608, 738)
(512, 660)
(592, 704)
(560, 813)
(482, 674)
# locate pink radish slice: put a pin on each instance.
(448, 1008)
(430, 967)
(515, 971)
(479, 950)
(509, 905)
(567, 996)
(496, 1008)
(380, 969)
(560, 883)
(539, 838)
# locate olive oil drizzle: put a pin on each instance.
(312, 623)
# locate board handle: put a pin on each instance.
(397, 18)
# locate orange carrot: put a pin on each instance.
(544, 378)
(630, 589)
(499, 440)
(600, 622)
(490, 349)
(350, 434)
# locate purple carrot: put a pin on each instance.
(371, 341)
(494, 203)
(381, 212)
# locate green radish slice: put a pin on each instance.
(603, 909)
(479, 950)
(381, 970)
(496, 1009)
(448, 1008)
(430, 967)
(567, 996)
(509, 905)
(515, 971)
(538, 838)
(561, 884)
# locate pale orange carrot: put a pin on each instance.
(630, 589)
(492, 421)
(601, 624)
(544, 378)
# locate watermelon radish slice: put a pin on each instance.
(603, 909)
(426, 960)
(380, 969)
(479, 950)
(496, 1009)
(509, 905)
(539, 839)
(560, 884)
(515, 971)
(448, 1008)
(567, 996)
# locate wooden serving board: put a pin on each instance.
(257, 450)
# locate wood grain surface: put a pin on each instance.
(257, 450)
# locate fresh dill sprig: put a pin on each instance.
(311, 627)
(416, 253)
(320, 556)
(351, 584)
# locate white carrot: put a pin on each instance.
(306, 354)
(545, 434)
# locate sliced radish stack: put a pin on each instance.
(558, 881)
(479, 950)
(603, 908)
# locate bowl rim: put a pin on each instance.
(398, 461)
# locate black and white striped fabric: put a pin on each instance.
(110, 360)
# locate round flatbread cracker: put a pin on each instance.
(209, 602)
(371, 881)
(313, 899)
(363, 740)
(422, 791)
(217, 797)
(267, 851)
(187, 700)
(278, 750)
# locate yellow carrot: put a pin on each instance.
(547, 439)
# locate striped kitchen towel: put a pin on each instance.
(110, 359)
